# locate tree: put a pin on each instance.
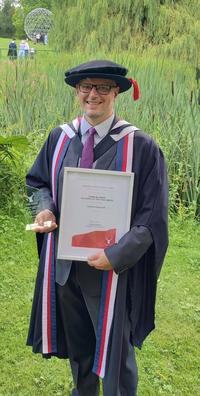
(7, 28)
(18, 22)
(29, 5)
(24, 7)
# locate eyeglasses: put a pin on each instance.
(100, 88)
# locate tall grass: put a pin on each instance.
(168, 27)
(34, 98)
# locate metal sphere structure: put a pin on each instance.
(38, 21)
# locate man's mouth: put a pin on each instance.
(92, 103)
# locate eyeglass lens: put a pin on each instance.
(102, 89)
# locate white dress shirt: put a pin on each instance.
(102, 129)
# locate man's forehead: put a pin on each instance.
(98, 81)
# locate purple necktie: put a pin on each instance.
(88, 153)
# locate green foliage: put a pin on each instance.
(11, 173)
(18, 22)
(169, 27)
(8, 143)
(7, 28)
(12, 18)
(34, 99)
(29, 93)
(29, 5)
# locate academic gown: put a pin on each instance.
(138, 267)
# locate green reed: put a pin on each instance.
(34, 99)
(170, 28)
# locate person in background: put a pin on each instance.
(97, 311)
(12, 50)
(27, 48)
(22, 48)
(46, 39)
(32, 53)
(38, 37)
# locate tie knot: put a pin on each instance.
(92, 131)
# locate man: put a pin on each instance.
(12, 50)
(38, 37)
(67, 310)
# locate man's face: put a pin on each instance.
(97, 105)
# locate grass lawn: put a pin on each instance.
(170, 359)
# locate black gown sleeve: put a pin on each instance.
(131, 247)
(149, 213)
(39, 179)
(39, 176)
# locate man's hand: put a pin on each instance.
(45, 215)
(100, 261)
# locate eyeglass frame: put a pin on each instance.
(96, 86)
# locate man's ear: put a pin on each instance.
(116, 92)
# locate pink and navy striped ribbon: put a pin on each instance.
(49, 344)
(110, 278)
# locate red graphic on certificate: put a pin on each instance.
(95, 239)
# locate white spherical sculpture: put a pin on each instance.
(38, 22)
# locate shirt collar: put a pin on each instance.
(102, 128)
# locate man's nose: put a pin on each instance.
(94, 91)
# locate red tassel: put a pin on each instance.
(136, 89)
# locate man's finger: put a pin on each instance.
(43, 228)
(93, 261)
(99, 268)
(94, 256)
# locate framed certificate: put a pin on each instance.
(95, 211)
